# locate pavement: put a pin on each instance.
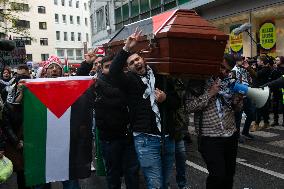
(260, 164)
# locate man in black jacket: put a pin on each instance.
(88, 64)
(151, 113)
(115, 136)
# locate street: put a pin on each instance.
(260, 164)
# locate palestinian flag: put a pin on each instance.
(57, 129)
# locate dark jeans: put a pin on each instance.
(249, 110)
(120, 160)
(180, 156)
(219, 154)
(262, 112)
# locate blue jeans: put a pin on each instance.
(120, 160)
(157, 168)
(68, 184)
(180, 164)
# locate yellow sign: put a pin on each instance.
(267, 35)
(236, 42)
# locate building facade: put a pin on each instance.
(266, 19)
(56, 27)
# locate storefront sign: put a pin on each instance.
(267, 36)
(236, 41)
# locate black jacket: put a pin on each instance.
(84, 69)
(2, 140)
(110, 109)
(263, 75)
(142, 117)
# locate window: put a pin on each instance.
(60, 53)
(71, 20)
(77, 4)
(70, 3)
(70, 54)
(29, 57)
(57, 35)
(41, 9)
(20, 7)
(55, 2)
(42, 25)
(78, 54)
(22, 23)
(44, 57)
(72, 36)
(56, 18)
(85, 6)
(27, 40)
(86, 21)
(64, 18)
(78, 20)
(79, 36)
(87, 37)
(1, 15)
(100, 19)
(43, 41)
(63, 2)
(65, 36)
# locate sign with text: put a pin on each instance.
(14, 57)
(267, 36)
(236, 41)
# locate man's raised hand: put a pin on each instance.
(131, 41)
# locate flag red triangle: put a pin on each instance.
(160, 19)
(58, 96)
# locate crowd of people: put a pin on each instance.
(142, 117)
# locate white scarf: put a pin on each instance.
(149, 80)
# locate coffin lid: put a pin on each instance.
(179, 23)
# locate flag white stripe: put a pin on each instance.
(74, 78)
(57, 146)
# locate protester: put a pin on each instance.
(115, 135)
(6, 77)
(12, 125)
(243, 77)
(214, 104)
(151, 123)
(87, 65)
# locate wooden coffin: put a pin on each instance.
(176, 42)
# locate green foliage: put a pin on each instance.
(9, 19)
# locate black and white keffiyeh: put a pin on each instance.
(149, 80)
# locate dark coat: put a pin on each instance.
(2, 140)
(110, 109)
(263, 75)
(142, 117)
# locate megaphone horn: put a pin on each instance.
(259, 96)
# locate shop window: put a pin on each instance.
(180, 2)
(72, 36)
(100, 19)
(70, 54)
(21, 23)
(57, 35)
(125, 11)
(134, 8)
(42, 25)
(60, 53)
(78, 54)
(43, 41)
(118, 16)
(155, 3)
(56, 17)
(65, 36)
(41, 9)
(144, 6)
(44, 57)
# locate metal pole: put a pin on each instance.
(250, 31)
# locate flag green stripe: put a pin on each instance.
(34, 139)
